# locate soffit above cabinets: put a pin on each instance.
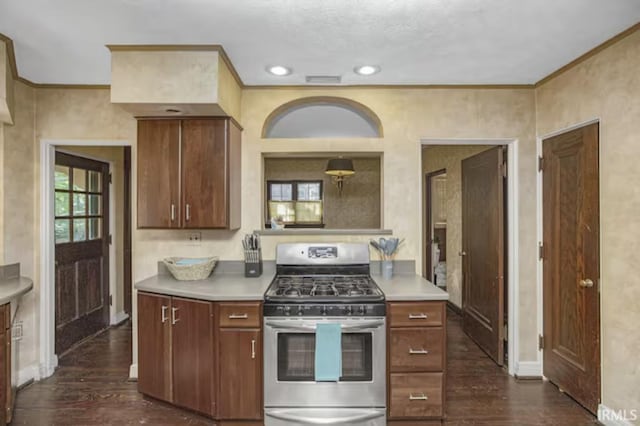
(413, 41)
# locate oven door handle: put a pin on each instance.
(287, 325)
(307, 420)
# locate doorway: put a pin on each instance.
(571, 263)
(493, 326)
(82, 233)
(106, 211)
(436, 226)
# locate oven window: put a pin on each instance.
(296, 357)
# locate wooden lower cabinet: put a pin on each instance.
(417, 362)
(186, 359)
(240, 374)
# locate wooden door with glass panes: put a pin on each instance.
(81, 249)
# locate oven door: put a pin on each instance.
(289, 364)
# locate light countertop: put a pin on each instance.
(12, 288)
(227, 287)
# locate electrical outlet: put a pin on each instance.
(195, 238)
(16, 331)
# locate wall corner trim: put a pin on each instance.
(28, 374)
(133, 372)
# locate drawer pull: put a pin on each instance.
(418, 316)
(253, 349)
(238, 316)
(418, 397)
(174, 318)
(164, 314)
(418, 351)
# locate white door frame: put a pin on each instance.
(513, 239)
(48, 357)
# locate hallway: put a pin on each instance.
(91, 388)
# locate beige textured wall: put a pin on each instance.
(20, 237)
(450, 158)
(164, 77)
(359, 205)
(115, 155)
(607, 86)
(229, 92)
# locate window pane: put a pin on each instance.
(284, 210)
(79, 204)
(95, 228)
(62, 204)
(95, 181)
(95, 207)
(309, 212)
(62, 232)
(309, 191)
(79, 180)
(79, 229)
(61, 177)
(281, 191)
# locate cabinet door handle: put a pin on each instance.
(173, 212)
(164, 314)
(238, 316)
(188, 212)
(418, 397)
(253, 349)
(418, 316)
(418, 351)
(173, 316)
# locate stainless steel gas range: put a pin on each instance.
(320, 284)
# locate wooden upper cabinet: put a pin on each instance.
(205, 168)
(158, 174)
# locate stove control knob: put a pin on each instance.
(323, 310)
(300, 310)
(348, 310)
(362, 309)
(287, 310)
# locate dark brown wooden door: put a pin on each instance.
(240, 386)
(193, 354)
(154, 346)
(159, 174)
(5, 363)
(82, 249)
(204, 171)
(571, 264)
(483, 251)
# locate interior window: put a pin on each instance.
(295, 203)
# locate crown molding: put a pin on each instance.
(391, 86)
(599, 48)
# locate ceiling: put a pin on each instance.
(413, 41)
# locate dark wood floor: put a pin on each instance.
(91, 388)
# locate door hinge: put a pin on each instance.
(504, 169)
(540, 342)
(110, 178)
(110, 239)
(540, 251)
(111, 300)
(540, 163)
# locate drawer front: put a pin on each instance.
(415, 395)
(239, 315)
(416, 349)
(418, 314)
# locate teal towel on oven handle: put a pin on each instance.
(328, 352)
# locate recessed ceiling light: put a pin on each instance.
(367, 69)
(279, 70)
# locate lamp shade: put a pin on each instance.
(340, 167)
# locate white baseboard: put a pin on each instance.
(133, 372)
(118, 317)
(47, 369)
(528, 369)
(28, 373)
(610, 417)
